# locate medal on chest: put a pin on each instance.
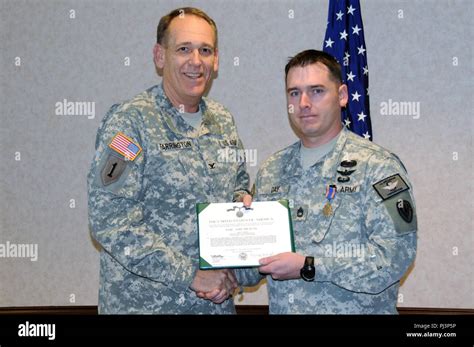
(330, 194)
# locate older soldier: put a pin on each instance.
(352, 205)
(157, 155)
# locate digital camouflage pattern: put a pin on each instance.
(142, 212)
(364, 245)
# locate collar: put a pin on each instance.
(331, 160)
(293, 166)
(178, 125)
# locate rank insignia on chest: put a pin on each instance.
(299, 213)
(125, 146)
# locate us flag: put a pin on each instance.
(345, 41)
(125, 146)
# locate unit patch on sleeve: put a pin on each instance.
(113, 169)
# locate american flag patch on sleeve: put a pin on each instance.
(125, 146)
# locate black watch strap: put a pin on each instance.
(308, 271)
(309, 261)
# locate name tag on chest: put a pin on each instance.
(228, 143)
(175, 145)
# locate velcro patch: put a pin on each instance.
(169, 146)
(112, 170)
(402, 212)
(299, 213)
(125, 146)
(277, 189)
(390, 186)
(405, 210)
(228, 143)
(348, 189)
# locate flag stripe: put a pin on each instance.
(125, 146)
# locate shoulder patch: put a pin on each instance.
(390, 186)
(405, 210)
(402, 212)
(125, 146)
(112, 170)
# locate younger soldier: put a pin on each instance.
(352, 205)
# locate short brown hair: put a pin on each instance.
(312, 56)
(165, 21)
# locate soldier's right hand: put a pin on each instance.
(214, 285)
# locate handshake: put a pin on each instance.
(214, 285)
(217, 285)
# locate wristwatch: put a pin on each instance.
(308, 271)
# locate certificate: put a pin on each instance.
(231, 235)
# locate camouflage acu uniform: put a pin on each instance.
(367, 242)
(142, 211)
